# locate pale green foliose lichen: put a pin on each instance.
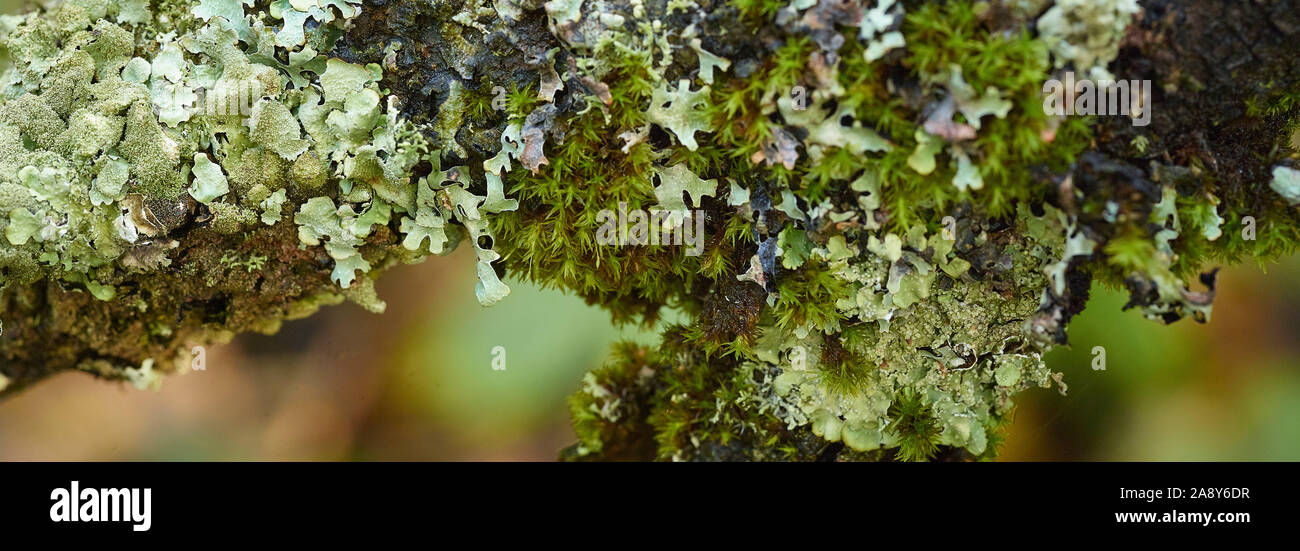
(859, 318)
(933, 330)
(960, 348)
(123, 122)
(1286, 182)
(1087, 33)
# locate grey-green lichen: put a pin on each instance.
(94, 115)
(960, 347)
(1286, 182)
(910, 322)
(1087, 33)
(125, 123)
(894, 230)
(914, 232)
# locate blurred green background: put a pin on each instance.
(417, 383)
(1226, 390)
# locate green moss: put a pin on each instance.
(892, 224)
(917, 428)
(869, 321)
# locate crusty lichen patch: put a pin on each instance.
(132, 134)
(894, 230)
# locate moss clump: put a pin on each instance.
(903, 204)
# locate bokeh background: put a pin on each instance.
(416, 383)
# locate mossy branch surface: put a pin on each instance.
(894, 226)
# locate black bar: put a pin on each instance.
(333, 499)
